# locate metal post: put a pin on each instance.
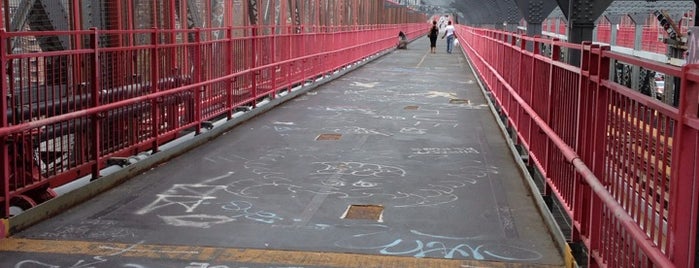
(273, 50)
(684, 212)
(4, 151)
(155, 87)
(229, 70)
(197, 72)
(599, 136)
(253, 64)
(683, 191)
(555, 56)
(97, 117)
(614, 32)
(576, 35)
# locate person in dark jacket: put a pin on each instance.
(402, 41)
(434, 33)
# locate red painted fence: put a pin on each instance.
(623, 165)
(64, 125)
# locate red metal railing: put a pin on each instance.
(67, 124)
(622, 164)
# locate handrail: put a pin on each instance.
(487, 48)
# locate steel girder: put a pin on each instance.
(493, 12)
(639, 10)
(44, 15)
(535, 12)
(582, 15)
(253, 11)
(642, 6)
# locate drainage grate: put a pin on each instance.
(329, 137)
(364, 212)
(411, 107)
(459, 101)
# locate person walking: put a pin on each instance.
(434, 33)
(449, 34)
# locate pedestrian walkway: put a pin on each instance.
(398, 164)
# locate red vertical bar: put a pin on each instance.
(77, 44)
(581, 193)
(6, 15)
(684, 185)
(96, 118)
(4, 152)
(172, 37)
(154, 78)
(599, 139)
(197, 78)
(273, 52)
(229, 70)
(253, 64)
(600, 116)
(555, 56)
(531, 123)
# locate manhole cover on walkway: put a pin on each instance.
(364, 212)
(328, 137)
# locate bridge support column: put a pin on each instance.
(577, 34)
(535, 12)
(581, 15)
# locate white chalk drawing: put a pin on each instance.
(343, 109)
(385, 241)
(390, 117)
(204, 265)
(215, 202)
(471, 174)
(189, 196)
(133, 265)
(288, 129)
(244, 209)
(435, 94)
(364, 85)
(95, 261)
(106, 263)
(359, 169)
(35, 264)
(352, 180)
(413, 131)
(317, 226)
(355, 130)
(434, 115)
(443, 151)
(197, 220)
(90, 229)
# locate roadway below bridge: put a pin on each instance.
(399, 163)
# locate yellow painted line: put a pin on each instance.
(232, 255)
(568, 257)
(422, 60)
